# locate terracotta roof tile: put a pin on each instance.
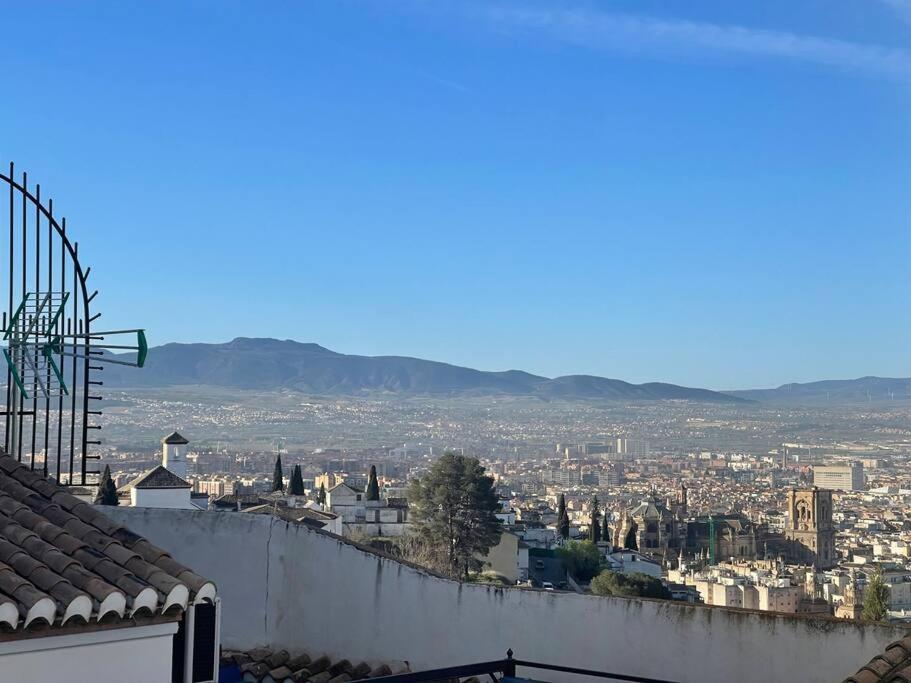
(891, 666)
(61, 558)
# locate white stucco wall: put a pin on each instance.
(161, 498)
(139, 654)
(284, 585)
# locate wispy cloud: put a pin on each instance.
(598, 29)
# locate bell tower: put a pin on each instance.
(809, 531)
(174, 454)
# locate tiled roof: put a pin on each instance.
(892, 666)
(174, 438)
(264, 665)
(62, 559)
(158, 478)
(314, 518)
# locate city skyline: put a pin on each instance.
(490, 187)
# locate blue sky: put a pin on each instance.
(707, 193)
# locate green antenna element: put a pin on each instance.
(28, 357)
(143, 348)
(37, 345)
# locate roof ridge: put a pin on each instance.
(88, 564)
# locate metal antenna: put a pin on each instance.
(50, 348)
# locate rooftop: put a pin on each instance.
(892, 666)
(174, 438)
(157, 478)
(63, 562)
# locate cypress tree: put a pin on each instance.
(875, 598)
(278, 481)
(595, 525)
(373, 488)
(107, 492)
(297, 482)
(321, 496)
(562, 518)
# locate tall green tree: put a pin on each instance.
(107, 491)
(455, 505)
(876, 598)
(278, 480)
(595, 524)
(321, 495)
(296, 487)
(373, 487)
(562, 518)
(581, 559)
(634, 584)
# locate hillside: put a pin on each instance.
(268, 364)
(861, 390)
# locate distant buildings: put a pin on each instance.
(848, 477)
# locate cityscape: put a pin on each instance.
(455, 341)
(693, 466)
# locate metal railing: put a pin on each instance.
(506, 668)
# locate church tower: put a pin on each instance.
(174, 454)
(810, 534)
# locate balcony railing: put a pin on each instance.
(506, 668)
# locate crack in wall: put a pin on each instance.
(272, 522)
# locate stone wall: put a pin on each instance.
(284, 585)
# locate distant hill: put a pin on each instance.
(269, 364)
(861, 390)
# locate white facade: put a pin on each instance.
(161, 498)
(346, 503)
(174, 458)
(139, 654)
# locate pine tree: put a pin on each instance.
(562, 518)
(373, 487)
(321, 496)
(297, 482)
(455, 507)
(107, 492)
(595, 524)
(278, 481)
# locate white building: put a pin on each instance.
(387, 517)
(164, 486)
(174, 454)
(848, 477)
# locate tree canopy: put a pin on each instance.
(562, 518)
(373, 487)
(632, 585)
(296, 487)
(582, 559)
(595, 524)
(278, 481)
(876, 598)
(454, 508)
(107, 491)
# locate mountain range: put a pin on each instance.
(273, 364)
(834, 391)
(270, 364)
